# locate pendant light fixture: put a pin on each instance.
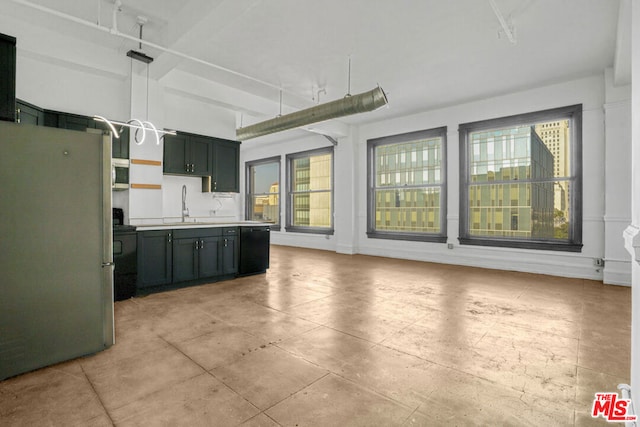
(138, 125)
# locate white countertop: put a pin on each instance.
(176, 225)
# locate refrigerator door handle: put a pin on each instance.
(108, 264)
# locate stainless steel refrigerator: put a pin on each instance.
(56, 269)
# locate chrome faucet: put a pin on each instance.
(185, 210)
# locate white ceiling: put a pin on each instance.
(424, 53)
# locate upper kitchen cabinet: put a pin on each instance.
(29, 114)
(120, 145)
(8, 80)
(186, 154)
(75, 122)
(226, 166)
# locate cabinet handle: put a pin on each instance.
(201, 244)
(215, 185)
(169, 238)
(197, 245)
(18, 121)
(186, 167)
(225, 243)
(193, 167)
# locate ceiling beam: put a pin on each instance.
(622, 56)
(210, 17)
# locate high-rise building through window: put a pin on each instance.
(310, 188)
(263, 191)
(407, 186)
(520, 186)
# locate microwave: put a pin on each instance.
(120, 174)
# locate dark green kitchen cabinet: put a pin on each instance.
(175, 154)
(154, 258)
(76, 122)
(209, 257)
(119, 146)
(225, 160)
(7, 78)
(196, 254)
(229, 253)
(186, 154)
(29, 114)
(185, 260)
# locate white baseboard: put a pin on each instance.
(617, 273)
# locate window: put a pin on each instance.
(310, 191)
(540, 181)
(263, 191)
(406, 186)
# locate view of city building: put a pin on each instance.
(408, 186)
(500, 205)
(555, 135)
(267, 207)
(263, 191)
(311, 191)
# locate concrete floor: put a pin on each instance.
(333, 340)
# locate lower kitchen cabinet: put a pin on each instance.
(186, 256)
(154, 258)
(196, 254)
(229, 250)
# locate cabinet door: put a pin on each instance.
(175, 152)
(154, 258)
(229, 248)
(120, 147)
(8, 79)
(29, 114)
(185, 260)
(200, 155)
(226, 159)
(50, 118)
(75, 122)
(209, 256)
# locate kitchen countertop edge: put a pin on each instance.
(186, 225)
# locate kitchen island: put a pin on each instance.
(177, 254)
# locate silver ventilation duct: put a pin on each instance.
(361, 103)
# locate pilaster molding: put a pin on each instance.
(632, 241)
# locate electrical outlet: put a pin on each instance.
(449, 245)
(598, 262)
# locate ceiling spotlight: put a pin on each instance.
(350, 104)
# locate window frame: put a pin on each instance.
(573, 113)
(249, 194)
(440, 237)
(289, 227)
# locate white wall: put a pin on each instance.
(587, 91)
(617, 110)
(71, 75)
(350, 178)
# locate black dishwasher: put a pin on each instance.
(254, 250)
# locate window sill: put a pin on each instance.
(522, 244)
(407, 236)
(309, 230)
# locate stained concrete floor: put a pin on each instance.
(324, 339)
